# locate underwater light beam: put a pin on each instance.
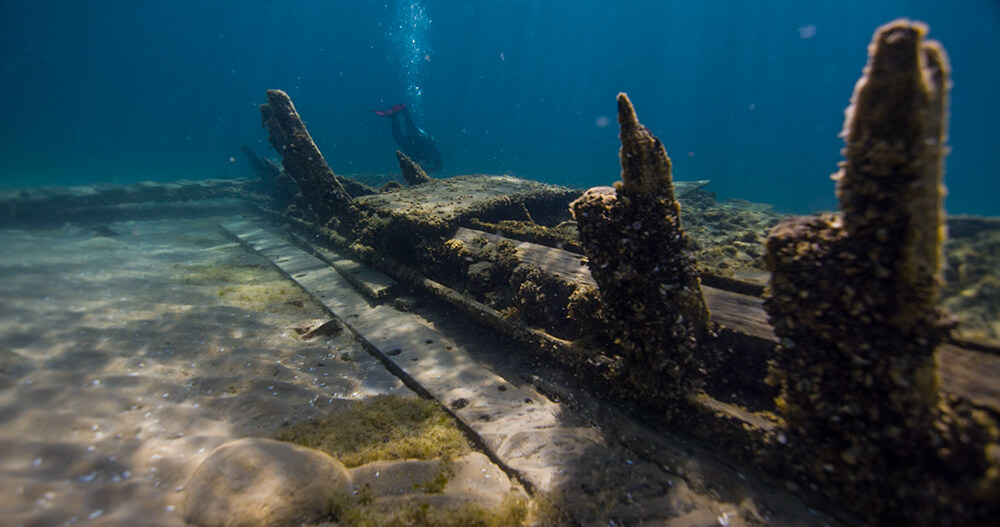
(408, 36)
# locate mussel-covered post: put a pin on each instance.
(852, 299)
(639, 257)
(413, 173)
(322, 196)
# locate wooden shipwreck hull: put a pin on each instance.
(840, 379)
(734, 410)
(630, 314)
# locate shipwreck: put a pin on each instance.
(835, 370)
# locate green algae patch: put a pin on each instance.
(381, 428)
(437, 484)
(273, 296)
(250, 286)
(220, 271)
(515, 510)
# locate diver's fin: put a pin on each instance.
(394, 110)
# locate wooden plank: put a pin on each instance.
(738, 312)
(372, 283)
(971, 374)
(49, 205)
(523, 435)
(967, 373)
(444, 200)
(564, 264)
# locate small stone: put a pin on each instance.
(405, 303)
(263, 482)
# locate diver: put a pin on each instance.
(417, 144)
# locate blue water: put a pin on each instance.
(749, 94)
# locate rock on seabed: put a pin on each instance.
(254, 482)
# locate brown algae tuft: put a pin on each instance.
(384, 427)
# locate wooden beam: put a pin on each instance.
(972, 374)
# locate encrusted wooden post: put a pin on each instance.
(638, 255)
(323, 197)
(853, 299)
(413, 173)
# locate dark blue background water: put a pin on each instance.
(749, 94)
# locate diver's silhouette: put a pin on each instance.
(417, 144)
